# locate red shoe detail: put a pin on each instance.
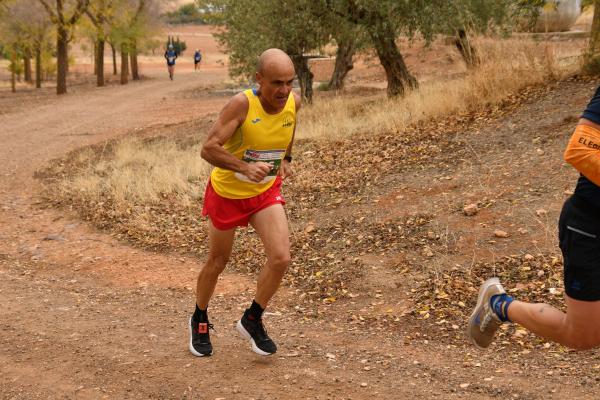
(203, 327)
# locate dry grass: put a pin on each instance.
(140, 172)
(508, 66)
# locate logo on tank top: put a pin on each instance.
(255, 121)
(287, 122)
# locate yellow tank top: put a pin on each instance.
(261, 137)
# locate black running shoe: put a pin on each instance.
(253, 330)
(200, 345)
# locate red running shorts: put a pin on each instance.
(227, 213)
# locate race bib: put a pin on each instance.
(171, 59)
(272, 157)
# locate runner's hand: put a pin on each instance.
(256, 171)
(285, 170)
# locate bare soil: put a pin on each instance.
(92, 313)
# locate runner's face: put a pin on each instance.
(276, 84)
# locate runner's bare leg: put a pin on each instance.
(220, 245)
(272, 226)
(579, 328)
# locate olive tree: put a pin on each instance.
(64, 14)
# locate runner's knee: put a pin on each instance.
(280, 261)
(216, 264)
(576, 339)
(579, 342)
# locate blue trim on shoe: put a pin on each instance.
(499, 304)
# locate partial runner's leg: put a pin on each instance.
(578, 328)
(272, 226)
(220, 245)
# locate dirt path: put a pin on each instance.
(85, 316)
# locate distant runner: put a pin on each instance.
(197, 59)
(579, 240)
(250, 146)
(171, 56)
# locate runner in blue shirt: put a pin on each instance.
(171, 56)
(197, 60)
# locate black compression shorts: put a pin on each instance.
(579, 237)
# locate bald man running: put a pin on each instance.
(250, 146)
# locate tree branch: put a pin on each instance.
(82, 5)
(92, 18)
(49, 10)
(138, 12)
(353, 14)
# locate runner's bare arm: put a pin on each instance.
(286, 169)
(298, 100)
(583, 150)
(230, 118)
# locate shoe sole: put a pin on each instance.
(246, 335)
(482, 289)
(192, 350)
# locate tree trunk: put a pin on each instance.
(343, 64)
(305, 77)
(594, 35)
(13, 63)
(134, 62)
(27, 67)
(114, 58)
(95, 56)
(38, 66)
(124, 64)
(468, 53)
(397, 74)
(62, 61)
(100, 62)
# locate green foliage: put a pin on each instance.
(14, 54)
(186, 14)
(323, 87)
(48, 60)
(133, 22)
(304, 26)
(24, 26)
(484, 16)
(178, 45)
(430, 17)
(48, 64)
(17, 66)
(150, 46)
(253, 26)
(587, 3)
